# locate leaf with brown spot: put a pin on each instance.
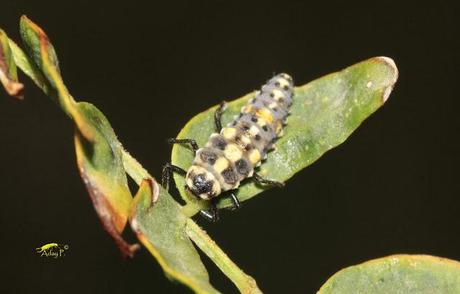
(99, 157)
(100, 162)
(39, 47)
(43, 57)
(8, 71)
(97, 147)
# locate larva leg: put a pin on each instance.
(184, 141)
(264, 182)
(218, 116)
(212, 214)
(235, 202)
(168, 169)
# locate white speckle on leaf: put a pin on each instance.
(369, 84)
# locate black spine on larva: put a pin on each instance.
(232, 155)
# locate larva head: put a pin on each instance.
(201, 183)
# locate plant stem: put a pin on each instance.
(134, 169)
(59, 93)
(244, 282)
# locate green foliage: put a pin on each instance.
(103, 164)
(160, 227)
(8, 71)
(99, 154)
(421, 274)
(99, 158)
(325, 112)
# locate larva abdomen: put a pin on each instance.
(231, 155)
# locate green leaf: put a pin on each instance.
(161, 238)
(324, 113)
(103, 165)
(43, 56)
(161, 229)
(29, 68)
(39, 47)
(245, 283)
(397, 274)
(99, 153)
(101, 168)
(8, 71)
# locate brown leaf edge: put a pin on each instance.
(8, 72)
(110, 219)
(109, 193)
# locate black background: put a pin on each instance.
(392, 187)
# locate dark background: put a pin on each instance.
(391, 188)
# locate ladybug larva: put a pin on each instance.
(233, 152)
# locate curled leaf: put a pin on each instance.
(397, 274)
(99, 153)
(161, 229)
(100, 163)
(324, 113)
(103, 165)
(29, 68)
(38, 46)
(8, 71)
(44, 57)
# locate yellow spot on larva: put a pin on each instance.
(233, 152)
(194, 169)
(246, 109)
(253, 130)
(228, 133)
(245, 140)
(265, 114)
(220, 164)
(254, 156)
(189, 182)
(273, 105)
(216, 188)
(279, 127)
(277, 94)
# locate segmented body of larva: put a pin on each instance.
(231, 155)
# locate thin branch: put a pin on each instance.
(244, 282)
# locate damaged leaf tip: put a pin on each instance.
(8, 70)
(394, 75)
